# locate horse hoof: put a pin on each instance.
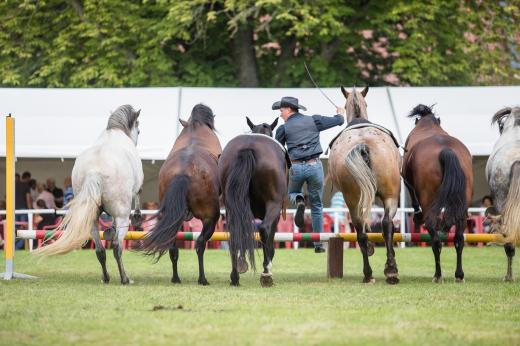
(508, 278)
(176, 280)
(242, 265)
(203, 282)
(233, 283)
(126, 281)
(105, 279)
(370, 248)
(266, 280)
(437, 280)
(459, 280)
(370, 280)
(392, 280)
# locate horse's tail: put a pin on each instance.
(172, 213)
(238, 205)
(451, 195)
(358, 165)
(79, 221)
(511, 212)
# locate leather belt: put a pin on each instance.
(314, 160)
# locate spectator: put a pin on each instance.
(486, 202)
(56, 192)
(338, 202)
(44, 195)
(23, 196)
(149, 220)
(34, 190)
(2, 217)
(17, 177)
(69, 194)
(42, 220)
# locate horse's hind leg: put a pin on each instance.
(174, 257)
(235, 277)
(363, 246)
(100, 253)
(436, 248)
(267, 230)
(200, 246)
(122, 228)
(391, 272)
(459, 246)
(510, 252)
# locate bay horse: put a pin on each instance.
(253, 176)
(364, 164)
(105, 177)
(188, 187)
(437, 170)
(503, 176)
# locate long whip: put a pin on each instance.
(316, 85)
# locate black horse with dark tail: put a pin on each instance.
(253, 175)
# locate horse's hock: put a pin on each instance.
(335, 258)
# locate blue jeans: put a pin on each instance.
(312, 174)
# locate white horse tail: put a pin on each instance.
(358, 165)
(511, 212)
(78, 222)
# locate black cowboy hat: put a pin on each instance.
(288, 101)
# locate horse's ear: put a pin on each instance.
(501, 113)
(273, 125)
(138, 113)
(184, 123)
(365, 91)
(345, 92)
(250, 123)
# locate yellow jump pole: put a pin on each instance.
(9, 232)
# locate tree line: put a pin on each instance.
(262, 43)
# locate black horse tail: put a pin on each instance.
(238, 205)
(171, 216)
(451, 195)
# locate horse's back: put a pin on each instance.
(115, 158)
(383, 154)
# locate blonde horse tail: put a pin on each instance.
(511, 212)
(358, 165)
(77, 223)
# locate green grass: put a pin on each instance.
(69, 304)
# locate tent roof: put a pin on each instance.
(60, 123)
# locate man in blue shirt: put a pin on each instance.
(301, 134)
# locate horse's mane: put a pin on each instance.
(357, 109)
(500, 114)
(123, 119)
(421, 111)
(202, 114)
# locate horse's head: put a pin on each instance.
(200, 114)
(507, 118)
(264, 128)
(125, 119)
(355, 107)
(423, 114)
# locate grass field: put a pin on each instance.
(69, 304)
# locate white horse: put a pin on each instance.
(105, 177)
(503, 176)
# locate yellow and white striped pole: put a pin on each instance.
(10, 193)
(9, 187)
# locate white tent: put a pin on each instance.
(60, 123)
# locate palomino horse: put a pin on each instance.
(364, 164)
(437, 170)
(188, 187)
(253, 174)
(105, 177)
(503, 176)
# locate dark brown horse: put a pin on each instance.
(253, 176)
(188, 187)
(437, 170)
